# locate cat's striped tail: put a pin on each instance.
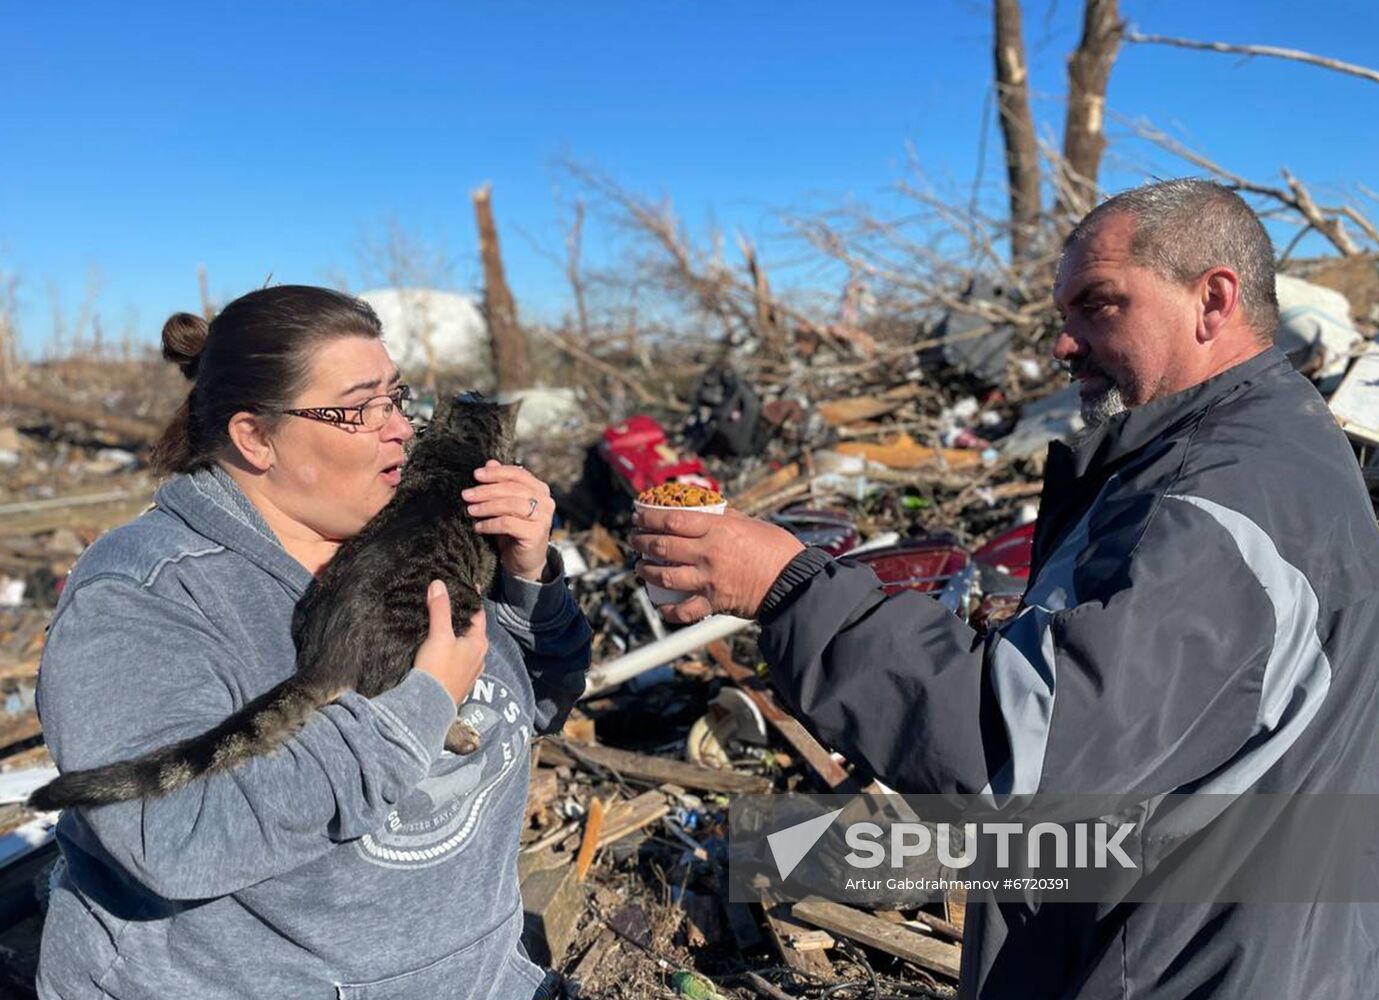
(260, 727)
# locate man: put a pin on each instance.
(1202, 616)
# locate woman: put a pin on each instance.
(361, 861)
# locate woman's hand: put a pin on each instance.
(517, 507)
(455, 661)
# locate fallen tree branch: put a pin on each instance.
(604, 368)
(1294, 55)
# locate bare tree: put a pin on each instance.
(1295, 55)
(1017, 129)
(394, 258)
(672, 263)
(203, 285)
(511, 356)
(574, 248)
(1084, 135)
(1327, 220)
(9, 327)
(768, 323)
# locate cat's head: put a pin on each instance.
(487, 427)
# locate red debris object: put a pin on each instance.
(828, 529)
(1009, 552)
(968, 438)
(640, 455)
(924, 564)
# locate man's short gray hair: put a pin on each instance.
(1185, 227)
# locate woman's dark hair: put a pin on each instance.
(254, 356)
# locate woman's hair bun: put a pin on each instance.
(184, 338)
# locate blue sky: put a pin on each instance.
(138, 141)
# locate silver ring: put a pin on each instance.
(532, 509)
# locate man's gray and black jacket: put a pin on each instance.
(1203, 616)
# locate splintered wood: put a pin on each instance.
(630, 816)
(894, 939)
(903, 452)
(593, 829)
(838, 412)
(658, 769)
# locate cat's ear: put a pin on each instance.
(444, 407)
(507, 418)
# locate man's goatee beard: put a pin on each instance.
(1098, 409)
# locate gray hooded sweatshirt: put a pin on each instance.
(361, 860)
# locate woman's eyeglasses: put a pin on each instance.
(371, 414)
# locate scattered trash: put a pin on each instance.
(11, 592)
(1315, 329)
(544, 412)
(931, 477)
(1356, 401)
(1056, 417)
(687, 984)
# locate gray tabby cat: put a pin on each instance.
(359, 624)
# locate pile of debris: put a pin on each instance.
(923, 462)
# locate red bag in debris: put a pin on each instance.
(641, 457)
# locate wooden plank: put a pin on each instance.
(833, 774)
(904, 452)
(603, 947)
(541, 792)
(812, 941)
(939, 926)
(837, 412)
(552, 902)
(704, 923)
(593, 827)
(627, 817)
(773, 502)
(955, 903)
(767, 485)
(781, 926)
(902, 942)
(662, 770)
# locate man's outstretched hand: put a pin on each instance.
(729, 562)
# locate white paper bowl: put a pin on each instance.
(663, 595)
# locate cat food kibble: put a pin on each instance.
(679, 495)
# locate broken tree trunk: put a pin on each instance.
(768, 325)
(1017, 129)
(203, 283)
(511, 356)
(1084, 136)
